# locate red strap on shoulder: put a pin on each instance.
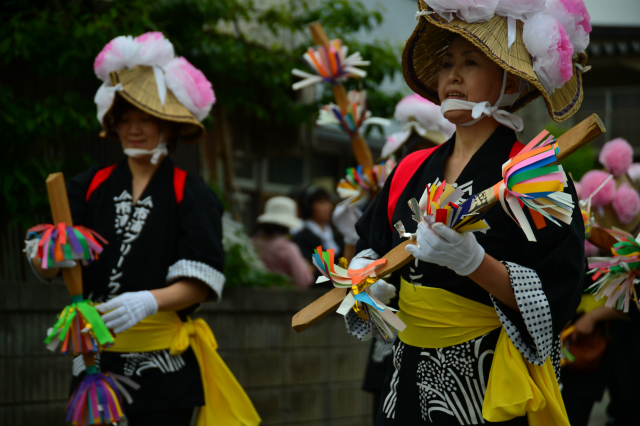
(179, 177)
(404, 172)
(515, 149)
(98, 179)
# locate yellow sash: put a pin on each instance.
(436, 318)
(226, 403)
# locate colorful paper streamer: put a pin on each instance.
(615, 277)
(60, 242)
(98, 398)
(330, 65)
(359, 298)
(354, 118)
(530, 179)
(362, 185)
(80, 329)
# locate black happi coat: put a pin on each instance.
(152, 243)
(556, 258)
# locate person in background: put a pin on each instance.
(316, 208)
(277, 252)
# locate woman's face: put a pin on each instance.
(137, 129)
(467, 74)
(321, 210)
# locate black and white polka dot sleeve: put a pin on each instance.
(357, 327)
(535, 311)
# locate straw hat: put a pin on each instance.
(424, 50)
(140, 89)
(280, 211)
(145, 72)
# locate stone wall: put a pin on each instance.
(311, 378)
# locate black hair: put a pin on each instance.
(271, 230)
(311, 195)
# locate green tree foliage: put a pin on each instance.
(246, 49)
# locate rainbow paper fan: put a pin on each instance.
(615, 277)
(359, 298)
(530, 179)
(439, 203)
(330, 65)
(80, 329)
(97, 399)
(60, 242)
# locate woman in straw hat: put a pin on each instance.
(482, 315)
(423, 126)
(165, 253)
(272, 240)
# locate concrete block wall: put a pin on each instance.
(312, 378)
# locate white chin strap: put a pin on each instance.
(479, 110)
(156, 152)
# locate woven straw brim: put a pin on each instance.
(141, 91)
(424, 50)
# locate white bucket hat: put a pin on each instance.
(280, 211)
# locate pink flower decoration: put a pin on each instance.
(519, 9)
(190, 87)
(626, 203)
(578, 8)
(616, 156)
(153, 35)
(100, 58)
(565, 51)
(550, 47)
(468, 10)
(591, 181)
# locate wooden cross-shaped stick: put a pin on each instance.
(360, 148)
(568, 143)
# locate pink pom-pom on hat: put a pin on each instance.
(626, 203)
(550, 47)
(592, 181)
(190, 87)
(616, 156)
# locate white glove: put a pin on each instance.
(31, 249)
(445, 247)
(382, 290)
(345, 217)
(127, 310)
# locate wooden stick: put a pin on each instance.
(360, 148)
(579, 135)
(62, 213)
(601, 238)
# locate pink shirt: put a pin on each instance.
(283, 256)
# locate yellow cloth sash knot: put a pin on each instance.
(437, 318)
(226, 403)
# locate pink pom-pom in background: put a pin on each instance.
(153, 35)
(616, 156)
(589, 249)
(591, 181)
(626, 204)
(100, 58)
(578, 190)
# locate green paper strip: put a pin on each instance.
(57, 325)
(530, 174)
(92, 316)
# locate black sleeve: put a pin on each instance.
(77, 188)
(200, 250)
(547, 280)
(373, 227)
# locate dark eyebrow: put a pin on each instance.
(464, 53)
